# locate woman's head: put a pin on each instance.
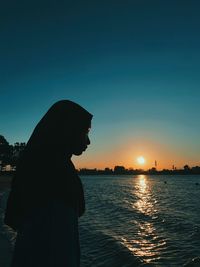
(64, 128)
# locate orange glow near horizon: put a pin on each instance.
(127, 155)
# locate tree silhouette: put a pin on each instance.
(186, 167)
(5, 151)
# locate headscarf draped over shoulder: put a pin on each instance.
(43, 173)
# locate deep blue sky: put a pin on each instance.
(133, 64)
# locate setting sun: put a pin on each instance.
(141, 160)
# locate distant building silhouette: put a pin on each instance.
(119, 170)
(156, 164)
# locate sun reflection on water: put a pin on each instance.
(143, 183)
(146, 242)
(145, 200)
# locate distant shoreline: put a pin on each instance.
(139, 173)
(6, 177)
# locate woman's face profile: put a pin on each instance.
(81, 142)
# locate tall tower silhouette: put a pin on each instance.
(156, 164)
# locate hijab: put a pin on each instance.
(45, 171)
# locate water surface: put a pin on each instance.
(135, 221)
(154, 218)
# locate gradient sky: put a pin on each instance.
(134, 65)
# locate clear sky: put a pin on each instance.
(133, 64)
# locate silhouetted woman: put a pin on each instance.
(46, 195)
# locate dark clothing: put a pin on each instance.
(31, 190)
(49, 238)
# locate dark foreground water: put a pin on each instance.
(140, 221)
